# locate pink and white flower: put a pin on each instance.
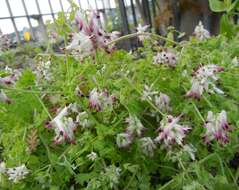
(203, 80)
(166, 57)
(90, 36)
(123, 140)
(170, 132)
(217, 127)
(100, 100)
(63, 126)
(17, 173)
(140, 30)
(11, 78)
(200, 32)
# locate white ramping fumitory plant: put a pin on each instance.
(200, 32)
(110, 151)
(166, 57)
(141, 29)
(170, 132)
(217, 127)
(90, 36)
(17, 173)
(203, 80)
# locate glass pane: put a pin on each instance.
(66, 5)
(47, 18)
(4, 10)
(17, 7)
(31, 7)
(44, 6)
(34, 23)
(22, 24)
(56, 6)
(6, 26)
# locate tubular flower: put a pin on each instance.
(170, 132)
(4, 98)
(100, 100)
(64, 127)
(217, 127)
(166, 57)
(17, 173)
(162, 102)
(135, 127)
(141, 29)
(90, 36)
(147, 146)
(200, 32)
(123, 140)
(203, 80)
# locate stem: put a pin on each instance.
(141, 34)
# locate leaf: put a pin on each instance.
(226, 26)
(234, 5)
(217, 6)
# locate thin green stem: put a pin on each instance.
(126, 37)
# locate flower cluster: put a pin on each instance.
(200, 32)
(5, 42)
(14, 174)
(9, 79)
(42, 70)
(90, 37)
(66, 121)
(217, 127)
(147, 146)
(170, 132)
(161, 100)
(166, 57)
(135, 128)
(203, 80)
(100, 100)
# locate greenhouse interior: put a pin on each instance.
(119, 94)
